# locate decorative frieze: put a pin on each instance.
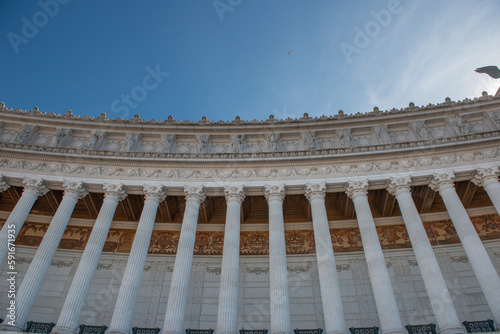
(61, 264)
(22, 260)
(102, 266)
(26, 134)
(257, 243)
(298, 269)
(343, 267)
(214, 270)
(459, 259)
(62, 137)
(257, 270)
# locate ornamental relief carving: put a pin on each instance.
(439, 232)
(334, 170)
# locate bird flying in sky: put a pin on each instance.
(290, 52)
(492, 71)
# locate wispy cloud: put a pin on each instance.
(439, 59)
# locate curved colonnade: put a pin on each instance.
(369, 174)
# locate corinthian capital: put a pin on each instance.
(195, 193)
(274, 192)
(316, 190)
(155, 193)
(357, 188)
(3, 184)
(485, 176)
(35, 187)
(116, 191)
(399, 185)
(235, 193)
(75, 189)
(441, 182)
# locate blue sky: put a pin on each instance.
(227, 58)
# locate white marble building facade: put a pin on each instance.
(360, 157)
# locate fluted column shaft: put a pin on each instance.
(441, 302)
(32, 190)
(493, 191)
(80, 286)
(227, 321)
(280, 301)
(30, 286)
(390, 321)
(179, 287)
(482, 266)
(328, 279)
(129, 289)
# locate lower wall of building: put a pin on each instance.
(253, 309)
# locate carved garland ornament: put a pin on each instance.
(418, 163)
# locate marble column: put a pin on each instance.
(488, 179)
(327, 270)
(121, 321)
(227, 321)
(486, 273)
(280, 302)
(80, 286)
(441, 302)
(32, 190)
(33, 279)
(387, 309)
(179, 287)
